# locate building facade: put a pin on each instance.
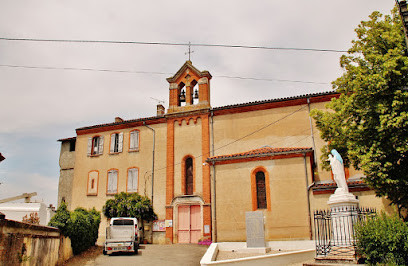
(205, 167)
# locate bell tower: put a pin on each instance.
(189, 89)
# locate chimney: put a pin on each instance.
(160, 110)
(118, 119)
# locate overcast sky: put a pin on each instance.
(39, 106)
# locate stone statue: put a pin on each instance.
(336, 163)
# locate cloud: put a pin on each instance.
(16, 183)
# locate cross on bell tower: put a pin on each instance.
(189, 51)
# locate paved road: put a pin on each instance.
(168, 255)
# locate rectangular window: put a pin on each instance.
(134, 140)
(132, 182)
(112, 187)
(95, 145)
(72, 145)
(116, 142)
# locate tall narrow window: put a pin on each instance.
(189, 176)
(260, 190)
(132, 179)
(134, 140)
(95, 145)
(112, 186)
(116, 143)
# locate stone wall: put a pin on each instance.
(28, 244)
(67, 164)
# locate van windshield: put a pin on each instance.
(123, 222)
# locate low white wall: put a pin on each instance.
(300, 251)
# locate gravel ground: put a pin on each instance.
(226, 255)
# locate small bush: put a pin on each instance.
(383, 239)
(81, 226)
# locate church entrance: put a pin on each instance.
(189, 223)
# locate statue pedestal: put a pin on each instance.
(344, 213)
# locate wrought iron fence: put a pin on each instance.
(334, 230)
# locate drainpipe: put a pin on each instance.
(311, 132)
(213, 196)
(154, 140)
(308, 196)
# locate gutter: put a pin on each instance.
(215, 160)
(154, 142)
(213, 192)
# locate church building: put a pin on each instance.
(204, 167)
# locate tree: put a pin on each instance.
(368, 123)
(130, 205)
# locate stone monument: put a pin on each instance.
(255, 232)
(343, 205)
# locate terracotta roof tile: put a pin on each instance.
(260, 152)
(330, 184)
(218, 108)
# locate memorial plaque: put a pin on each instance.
(255, 230)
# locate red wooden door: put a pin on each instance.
(189, 224)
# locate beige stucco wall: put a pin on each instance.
(290, 127)
(288, 217)
(121, 161)
(188, 141)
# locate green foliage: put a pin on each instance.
(368, 123)
(130, 205)
(61, 219)
(81, 226)
(383, 239)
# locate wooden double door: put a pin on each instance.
(189, 223)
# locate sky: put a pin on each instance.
(45, 97)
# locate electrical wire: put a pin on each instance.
(247, 135)
(157, 73)
(174, 44)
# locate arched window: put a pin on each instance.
(260, 189)
(189, 176)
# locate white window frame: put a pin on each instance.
(112, 182)
(134, 140)
(95, 145)
(116, 143)
(132, 180)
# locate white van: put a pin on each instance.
(127, 221)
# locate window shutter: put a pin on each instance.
(120, 144)
(112, 143)
(132, 180)
(135, 179)
(132, 140)
(115, 181)
(100, 144)
(137, 140)
(89, 146)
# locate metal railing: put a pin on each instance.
(334, 230)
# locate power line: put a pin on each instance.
(175, 44)
(156, 73)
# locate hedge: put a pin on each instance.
(81, 226)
